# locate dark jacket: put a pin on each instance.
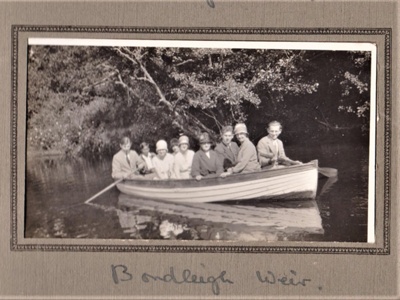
(204, 166)
(227, 155)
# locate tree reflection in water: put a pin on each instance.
(271, 221)
(56, 189)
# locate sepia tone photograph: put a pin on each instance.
(175, 149)
(190, 140)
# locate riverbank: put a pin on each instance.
(37, 153)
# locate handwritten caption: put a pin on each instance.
(215, 282)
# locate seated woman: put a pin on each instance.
(174, 145)
(183, 159)
(163, 162)
(205, 161)
(126, 163)
(247, 157)
(147, 157)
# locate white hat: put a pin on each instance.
(241, 128)
(183, 140)
(161, 145)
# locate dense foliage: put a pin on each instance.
(81, 100)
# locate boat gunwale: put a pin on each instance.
(211, 181)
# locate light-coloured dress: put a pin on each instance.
(183, 164)
(163, 167)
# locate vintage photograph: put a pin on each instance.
(200, 140)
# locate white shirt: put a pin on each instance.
(148, 161)
(275, 143)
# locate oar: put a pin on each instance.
(104, 190)
(328, 172)
(328, 184)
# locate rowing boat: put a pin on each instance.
(291, 182)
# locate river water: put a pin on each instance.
(56, 189)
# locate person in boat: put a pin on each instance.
(205, 161)
(126, 163)
(247, 157)
(270, 149)
(147, 157)
(226, 149)
(174, 145)
(163, 162)
(183, 160)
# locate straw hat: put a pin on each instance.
(183, 140)
(161, 145)
(204, 138)
(240, 128)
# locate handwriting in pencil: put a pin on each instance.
(272, 278)
(120, 274)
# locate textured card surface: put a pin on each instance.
(82, 81)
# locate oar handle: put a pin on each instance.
(108, 187)
(104, 190)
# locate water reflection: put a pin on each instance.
(56, 190)
(271, 221)
(328, 185)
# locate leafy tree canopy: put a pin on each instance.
(83, 99)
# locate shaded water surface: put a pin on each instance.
(56, 189)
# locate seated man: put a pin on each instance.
(270, 148)
(126, 163)
(226, 149)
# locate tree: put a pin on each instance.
(83, 99)
(342, 102)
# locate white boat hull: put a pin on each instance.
(294, 182)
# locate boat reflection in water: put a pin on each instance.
(294, 220)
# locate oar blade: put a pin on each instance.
(328, 172)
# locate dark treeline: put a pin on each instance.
(81, 100)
